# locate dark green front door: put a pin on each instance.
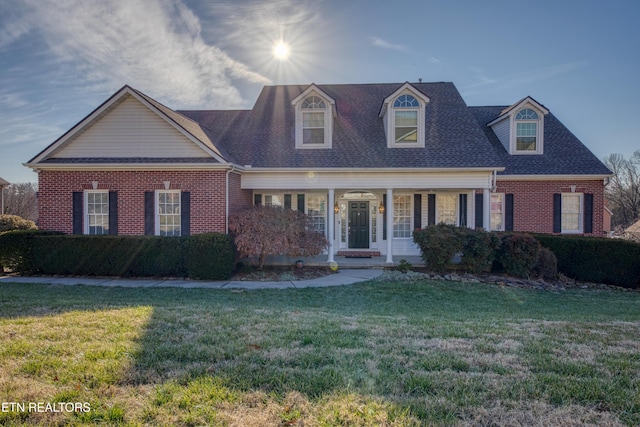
(359, 225)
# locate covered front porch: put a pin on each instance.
(368, 224)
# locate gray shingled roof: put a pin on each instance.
(456, 136)
(564, 154)
(265, 136)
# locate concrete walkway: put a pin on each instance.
(342, 277)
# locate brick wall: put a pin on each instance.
(207, 190)
(239, 199)
(533, 202)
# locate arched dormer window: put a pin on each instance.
(527, 128)
(313, 120)
(403, 115)
(406, 109)
(314, 111)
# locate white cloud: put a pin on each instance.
(378, 42)
(153, 45)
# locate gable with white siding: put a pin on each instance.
(130, 129)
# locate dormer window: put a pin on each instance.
(520, 127)
(406, 109)
(313, 112)
(403, 113)
(527, 130)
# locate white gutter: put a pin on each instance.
(226, 225)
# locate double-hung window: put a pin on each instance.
(317, 211)
(313, 121)
(446, 205)
(571, 213)
(402, 216)
(96, 212)
(527, 122)
(497, 212)
(168, 213)
(406, 109)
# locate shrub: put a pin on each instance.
(518, 254)
(16, 249)
(479, 249)
(547, 265)
(594, 259)
(438, 244)
(109, 255)
(14, 222)
(404, 266)
(209, 256)
(263, 230)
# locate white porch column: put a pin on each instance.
(486, 210)
(389, 210)
(331, 224)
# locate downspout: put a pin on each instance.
(494, 181)
(226, 215)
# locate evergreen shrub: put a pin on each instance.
(596, 259)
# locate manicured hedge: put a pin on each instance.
(205, 256)
(599, 260)
(16, 249)
(514, 254)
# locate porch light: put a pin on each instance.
(381, 208)
(336, 208)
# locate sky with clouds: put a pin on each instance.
(60, 59)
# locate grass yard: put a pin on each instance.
(371, 354)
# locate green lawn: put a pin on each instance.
(400, 354)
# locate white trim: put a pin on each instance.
(410, 180)
(514, 131)
(157, 209)
(580, 229)
(127, 166)
(388, 114)
(250, 169)
(517, 107)
(551, 177)
(502, 212)
(329, 114)
(389, 259)
(85, 210)
(405, 88)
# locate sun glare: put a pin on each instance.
(281, 51)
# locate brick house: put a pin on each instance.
(369, 163)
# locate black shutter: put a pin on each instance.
(113, 213)
(463, 210)
(588, 213)
(301, 202)
(431, 209)
(185, 213)
(287, 201)
(384, 217)
(557, 213)
(78, 212)
(479, 210)
(417, 211)
(149, 213)
(508, 212)
(257, 199)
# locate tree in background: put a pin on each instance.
(262, 230)
(623, 191)
(21, 199)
